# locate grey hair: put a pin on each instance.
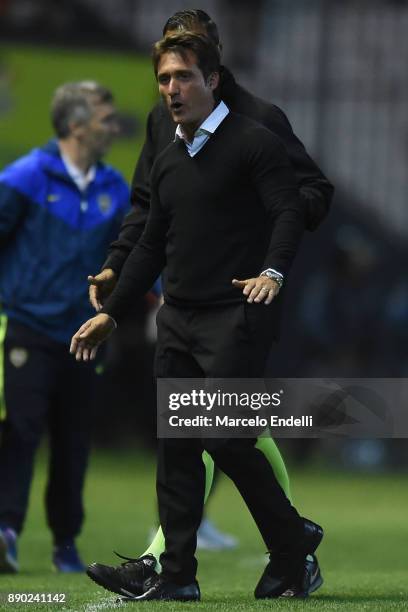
(72, 102)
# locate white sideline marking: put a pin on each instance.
(104, 604)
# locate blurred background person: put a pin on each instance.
(60, 206)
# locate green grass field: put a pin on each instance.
(364, 555)
(29, 75)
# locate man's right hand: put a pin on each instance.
(90, 335)
(100, 287)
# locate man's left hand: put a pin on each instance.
(260, 289)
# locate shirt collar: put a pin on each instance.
(210, 124)
(80, 178)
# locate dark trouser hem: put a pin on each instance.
(58, 541)
(177, 579)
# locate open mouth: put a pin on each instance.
(176, 106)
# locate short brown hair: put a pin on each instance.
(73, 102)
(206, 52)
(192, 19)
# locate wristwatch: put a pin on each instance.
(273, 275)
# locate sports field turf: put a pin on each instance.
(364, 556)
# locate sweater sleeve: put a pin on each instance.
(136, 219)
(144, 264)
(275, 183)
(316, 192)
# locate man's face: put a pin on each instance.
(98, 133)
(188, 96)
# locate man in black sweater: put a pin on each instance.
(225, 223)
(315, 192)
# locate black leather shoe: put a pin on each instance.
(125, 579)
(311, 580)
(286, 568)
(159, 589)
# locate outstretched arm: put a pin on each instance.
(140, 271)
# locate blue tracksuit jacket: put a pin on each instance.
(51, 237)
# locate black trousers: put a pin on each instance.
(230, 342)
(44, 388)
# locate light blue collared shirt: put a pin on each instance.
(205, 130)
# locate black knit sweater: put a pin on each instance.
(314, 188)
(229, 212)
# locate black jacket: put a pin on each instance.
(315, 190)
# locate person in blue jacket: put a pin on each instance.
(60, 207)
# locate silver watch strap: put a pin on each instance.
(273, 275)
